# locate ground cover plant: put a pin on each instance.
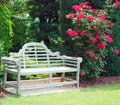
(106, 95)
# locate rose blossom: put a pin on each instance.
(94, 41)
(71, 33)
(102, 17)
(82, 74)
(110, 31)
(82, 34)
(95, 28)
(70, 15)
(88, 52)
(116, 4)
(88, 7)
(97, 36)
(90, 18)
(101, 46)
(80, 16)
(91, 55)
(76, 8)
(109, 39)
(116, 52)
(99, 57)
(106, 26)
(110, 1)
(101, 70)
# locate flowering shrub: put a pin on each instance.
(91, 34)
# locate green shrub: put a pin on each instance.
(5, 29)
(90, 36)
(112, 67)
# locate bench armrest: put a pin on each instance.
(9, 60)
(79, 59)
(72, 61)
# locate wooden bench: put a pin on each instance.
(35, 58)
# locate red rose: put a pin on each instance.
(101, 46)
(71, 33)
(82, 34)
(70, 15)
(101, 70)
(99, 57)
(90, 18)
(82, 74)
(97, 36)
(116, 52)
(109, 39)
(91, 55)
(76, 8)
(94, 41)
(110, 31)
(110, 1)
(95, 28)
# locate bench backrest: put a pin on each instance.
(36, 55)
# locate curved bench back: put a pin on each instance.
(34, 55)
(37, 55)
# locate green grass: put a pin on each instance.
(105, 95)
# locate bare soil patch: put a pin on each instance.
(86, 83)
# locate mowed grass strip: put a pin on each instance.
(104, 95)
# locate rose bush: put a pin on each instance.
(90, 35)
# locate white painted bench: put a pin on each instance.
(35, 58)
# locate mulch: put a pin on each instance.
(85, 83)
(100, 82)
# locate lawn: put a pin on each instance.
(105, 95)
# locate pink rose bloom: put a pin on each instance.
(82, 34)
(94, 41)
(110, 1)
(116, 52)
(82, 74)
(110, 31)
(67, 32)
(106, 26)
(76, 8)
(88, 52)
(101, 46)
(102, 17)
(95, 28)
(112, 24)
(73, 33)
(97, 36)
(109, 39)
(116, 4)
(99, 57)
(90, 18)
(101, 70)
(70, 15)
(80, 16)
(84, 4)
(88, 7)
(91, 55)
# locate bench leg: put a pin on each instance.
(50, 78)
(77, 78)
(18, 84)
(4, 79)
(63, 76)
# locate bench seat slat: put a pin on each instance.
(45, 70)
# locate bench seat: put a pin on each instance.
(33, 71)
